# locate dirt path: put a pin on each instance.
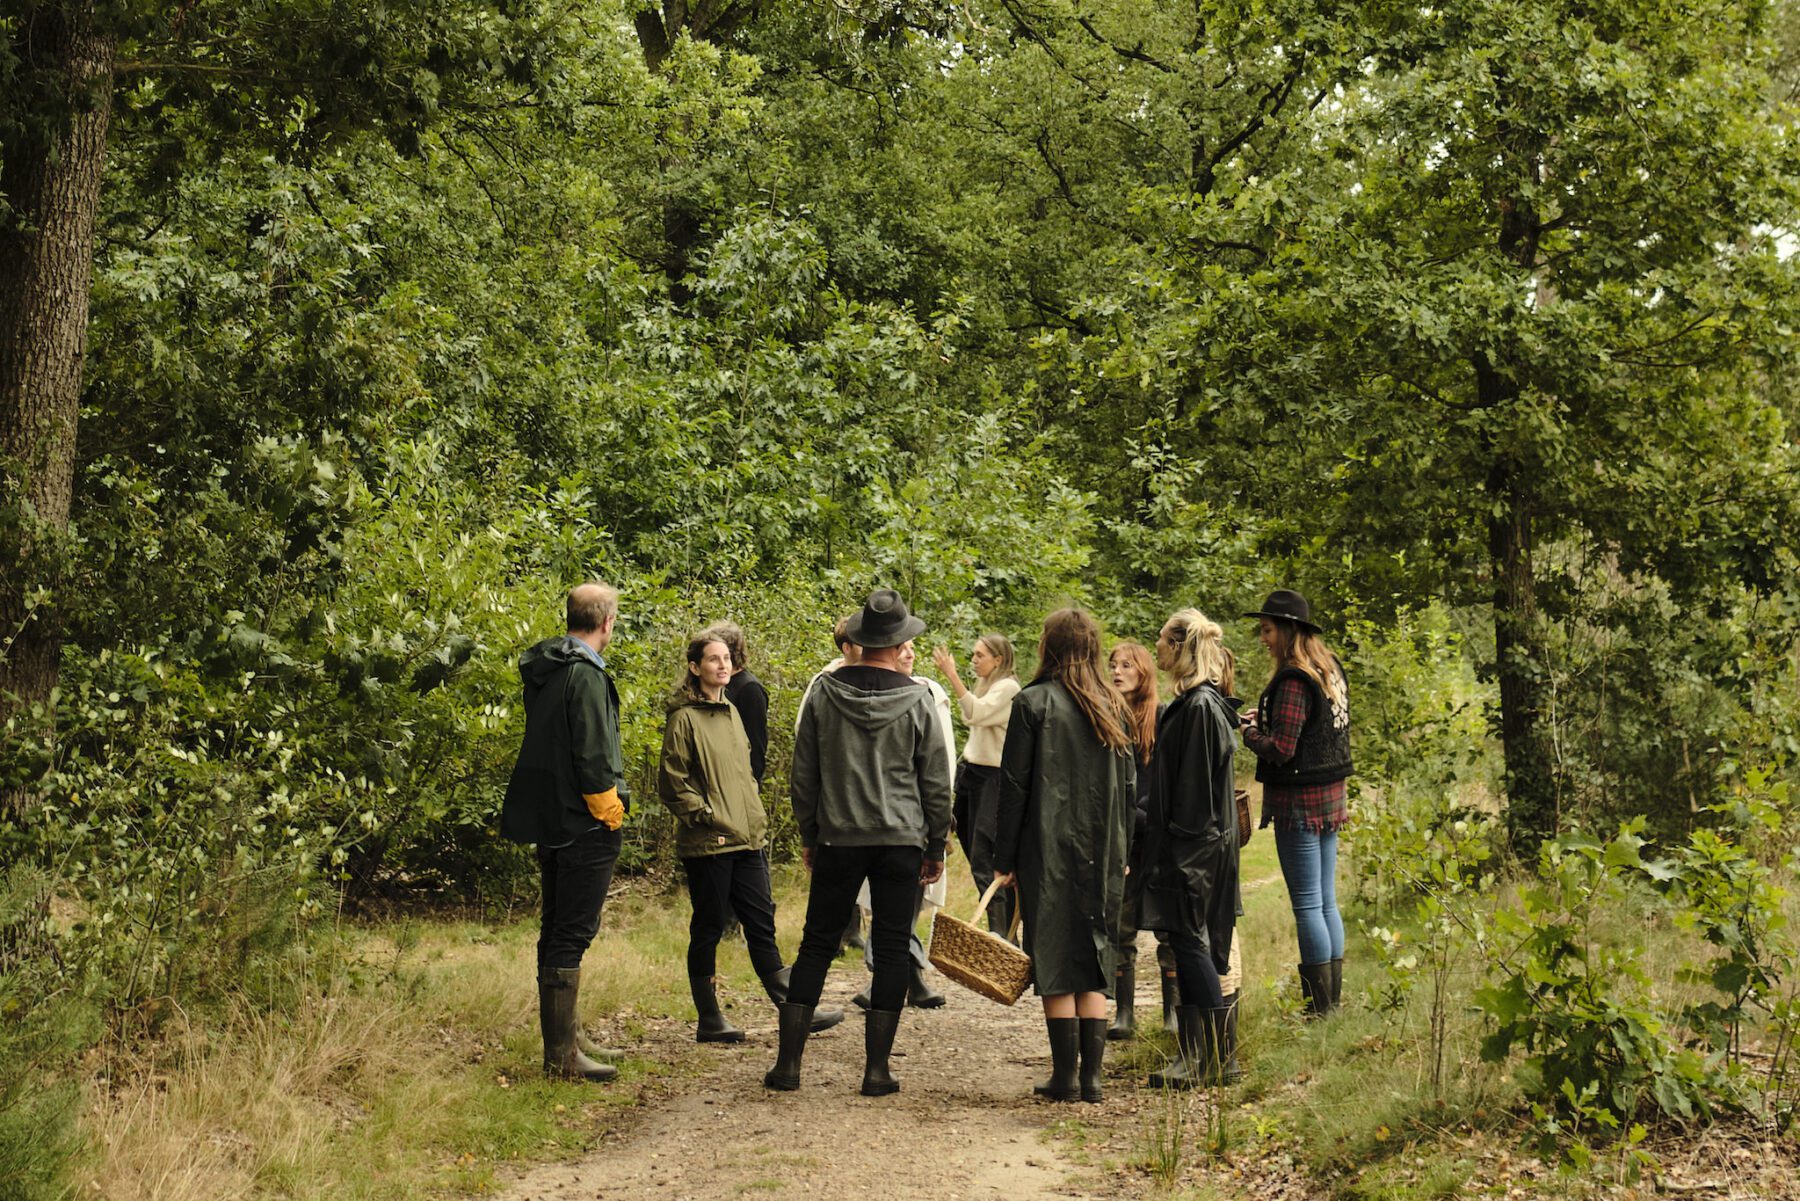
(964, 1125)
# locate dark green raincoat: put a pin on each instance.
(571, 744)
(1065, 824)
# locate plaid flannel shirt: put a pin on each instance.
(1314, 808)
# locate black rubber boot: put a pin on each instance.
(712, 1027)
(776, 985)
(1189, 1066)
(1225, 1033)
(1171, 1001)
(1315, 986)
(795, 1024)
(879, 1028)
(558, 990)
(1125, 1006)
(1093, 1055)
(920, 994)
(1065, 1054)
(1337, 982)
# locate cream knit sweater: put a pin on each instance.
(986, 708)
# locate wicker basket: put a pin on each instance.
(977, 959)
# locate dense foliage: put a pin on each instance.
(1474, 323)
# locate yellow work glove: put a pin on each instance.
(606, 807)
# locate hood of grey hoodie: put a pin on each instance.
(871, 711)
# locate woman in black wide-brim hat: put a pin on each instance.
(1300, 735)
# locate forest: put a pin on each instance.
(338, 338)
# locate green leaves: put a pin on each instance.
(1578, 1001)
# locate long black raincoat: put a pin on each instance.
(1065, 824)
(1191, 836)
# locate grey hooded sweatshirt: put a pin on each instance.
(870, 767)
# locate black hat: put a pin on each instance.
(1284, 604)
(883, 621)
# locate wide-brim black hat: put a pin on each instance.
(883, 621)
(1284, 604)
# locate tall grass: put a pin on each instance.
(410, 1062)
(396, 1058)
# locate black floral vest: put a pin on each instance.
(1323, 752)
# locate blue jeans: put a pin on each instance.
(1309, 865)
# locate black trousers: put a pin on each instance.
(1195, 972)
(915, 950)
(1129, 912)
(838, 874)
(721, 887)
(978, 789)
(575, 879)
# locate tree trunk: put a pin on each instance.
(709, 21)
(1519, 654)
(50, 179)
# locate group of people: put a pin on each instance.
(1097, 809)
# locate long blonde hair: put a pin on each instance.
(1306, 652)
(1200, 654)
(1001, 647)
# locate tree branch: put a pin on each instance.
(1136, 54)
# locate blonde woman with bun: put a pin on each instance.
(1191, 843)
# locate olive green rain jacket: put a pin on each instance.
(705, 778)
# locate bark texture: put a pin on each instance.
(50, 181)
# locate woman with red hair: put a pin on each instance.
(1134, 675)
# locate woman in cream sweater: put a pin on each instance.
(985, 708)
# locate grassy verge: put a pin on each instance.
(1367, 1106)
(401, 1058)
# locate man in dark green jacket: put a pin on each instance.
(567, 796)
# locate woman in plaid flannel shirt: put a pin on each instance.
(1300, 735)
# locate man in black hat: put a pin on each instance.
(871, 791)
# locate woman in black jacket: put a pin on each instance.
(1191, 841)
(1066, 779)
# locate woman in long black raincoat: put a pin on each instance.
(1191, 843)
(1066, 778)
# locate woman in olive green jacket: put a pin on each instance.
(706, 781)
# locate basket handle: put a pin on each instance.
(1012, 927)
